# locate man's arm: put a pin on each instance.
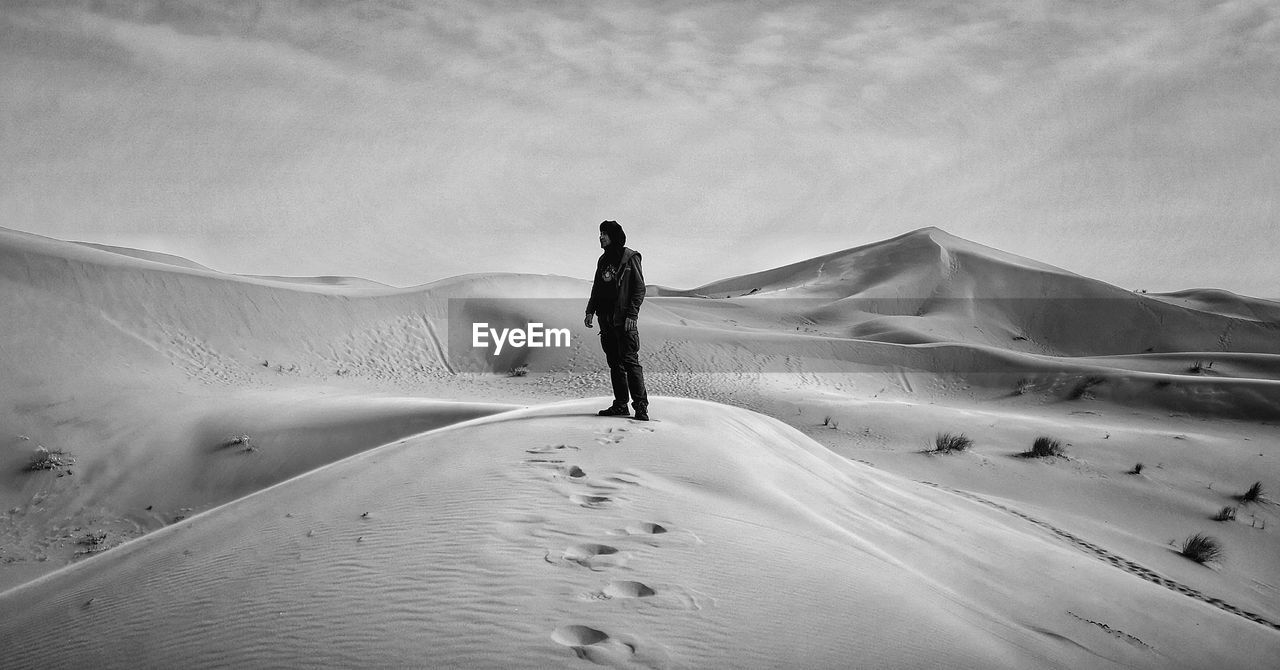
(591, 302)
(637, 289)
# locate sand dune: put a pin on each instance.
(714, 538)
(402, 501)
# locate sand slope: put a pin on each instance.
(484, 547)
(714, 538)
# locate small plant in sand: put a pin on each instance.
(1254, 494)
(1202, 548)
(949, 442)
(1045, 447)
(830, 423)
(49, 459)
(1227, 513)
(1137, 468)
(518, 371)
(1084, 389)
(243, 441)
(93, 542)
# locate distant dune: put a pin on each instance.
(259, 471)
(153, 256)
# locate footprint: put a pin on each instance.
(628, 589)
(668, 597)
(550, 449)
(579, 636)
(1122, 563)
(590, 555)
(594, 645)
(592, 502)
(645, 528)
(610, 435)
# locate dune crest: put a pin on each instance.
(273, 471)
(472, 532)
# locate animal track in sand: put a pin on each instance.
(1115, 559)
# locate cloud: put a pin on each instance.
(377, 128)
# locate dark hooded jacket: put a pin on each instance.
(624, 301)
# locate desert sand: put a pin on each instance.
(254, 471)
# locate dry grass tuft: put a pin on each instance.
(1202, 548)
(949, 442)
(46, 459)
(1045, 447)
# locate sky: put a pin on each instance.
(1129, 141)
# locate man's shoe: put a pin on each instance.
(642, 414)
(614, 411)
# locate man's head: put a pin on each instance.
(611, 235)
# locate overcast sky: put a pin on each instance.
(1134, 142)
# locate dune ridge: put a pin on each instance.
(482, 531)
(306, 470)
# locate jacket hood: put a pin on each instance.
(617, 237)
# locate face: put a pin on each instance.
(604, 239)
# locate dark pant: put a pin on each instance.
(622, 352)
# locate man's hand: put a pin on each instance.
(588, 319)
(630, 324)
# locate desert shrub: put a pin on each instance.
(1202, 548)
(1199, 367)
(518, 371)
(47, 459)
(1254, 494)
(1045, 447)
(1137, 469)
(949, 442)
(243, 441)
(1227, 513)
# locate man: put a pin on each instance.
(616, 294)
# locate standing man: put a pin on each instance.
(616, 294)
